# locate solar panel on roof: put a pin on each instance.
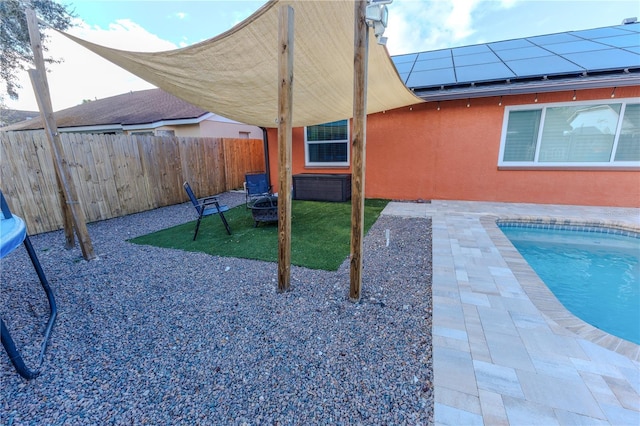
(575, 47)
(481, 58)
(570, 53)
(411, 57)
(630, 27)
(605, 59)
(483, 72)
(553, 39)
(436, 54)
(433, 64)
(597, 33)
(470, 50)
(404, 67)
(431, 78)
(510, 44)
(525, 53)
(547, 65)
(629, 40)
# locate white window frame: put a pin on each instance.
(535, 164)
(347, 141)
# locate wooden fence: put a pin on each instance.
(116, 175)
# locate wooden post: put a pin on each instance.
(358, 143)
(67, 216)
(65, 181)
(285, 115)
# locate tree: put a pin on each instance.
(15, 46)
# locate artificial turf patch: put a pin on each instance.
(320, 234)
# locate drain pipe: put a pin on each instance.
(265, 143)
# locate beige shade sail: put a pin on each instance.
(236, 73)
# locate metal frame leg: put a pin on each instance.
(8, 343)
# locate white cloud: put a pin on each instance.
(507, 4)
(459, 20)
(84, 75)
(181, 15)
(433, 24)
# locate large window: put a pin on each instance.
(579, 134)
(327, 144)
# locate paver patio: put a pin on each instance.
(505, 351)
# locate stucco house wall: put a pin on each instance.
(213, 128)
(182, 131)
(421, 152)
(229, 129)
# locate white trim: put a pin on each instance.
(99, 128)
(536, 165)
(593, 102)
(623, 109)
(220, 119)
(543, 117)
(347, 141)
(174, 122)
(529, 87)
(619, 166)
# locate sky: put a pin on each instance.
(413, 26)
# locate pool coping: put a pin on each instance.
(498, 357)
(538, 292)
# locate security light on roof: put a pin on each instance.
(377, 15)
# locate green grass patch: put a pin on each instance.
(320, 234)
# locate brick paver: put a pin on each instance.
(505, 350)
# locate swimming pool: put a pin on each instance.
(594, 274)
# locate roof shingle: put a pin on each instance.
(140, 107)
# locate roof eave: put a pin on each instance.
(527, 87)
(167, 122)
(97, 128)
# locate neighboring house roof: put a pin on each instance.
(235, 74)
(10, 116)
(127, 110)
(600, 57)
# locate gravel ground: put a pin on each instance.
(146, 335)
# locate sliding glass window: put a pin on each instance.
(582, 134)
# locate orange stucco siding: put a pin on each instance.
(421, 152)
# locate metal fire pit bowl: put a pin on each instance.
(265, 209)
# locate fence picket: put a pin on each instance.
(117, 175)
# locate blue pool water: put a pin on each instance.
(594, 275)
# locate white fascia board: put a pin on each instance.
(519, 88)
(88, 129)
(221, 119)
(176, 122)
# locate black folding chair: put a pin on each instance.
(206, 207)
